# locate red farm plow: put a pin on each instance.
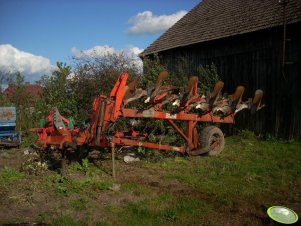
(190, 108)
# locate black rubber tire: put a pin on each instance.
(212, 139)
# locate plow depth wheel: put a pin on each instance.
(212, 139)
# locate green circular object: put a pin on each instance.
(282, 214)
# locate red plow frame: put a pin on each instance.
(107, 110)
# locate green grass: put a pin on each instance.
(9, 175)
(67, 220)
(247, 167)
(86, 185)
(79, 204)
(165, 209)
(248, 176)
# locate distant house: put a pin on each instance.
(255, 43)
(30, 91)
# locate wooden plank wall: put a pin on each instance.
(254, 60)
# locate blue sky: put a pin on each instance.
(51, 29)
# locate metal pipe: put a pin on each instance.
(100, 123)
(113, 160)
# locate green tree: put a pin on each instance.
(22, 99)
(151, 69)
(95, 75)
(4, 75)
(153, 66)
(57, 91)
(208, 76)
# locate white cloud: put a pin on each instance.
(146, 22)
(134, 50)
(130, 51)
(133, 53)
(31, 66)
(95, 51)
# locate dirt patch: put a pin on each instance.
(138, 173)
(12, 157)
(26, 201)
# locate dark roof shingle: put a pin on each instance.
(215, 19)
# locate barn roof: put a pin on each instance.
(216, 19)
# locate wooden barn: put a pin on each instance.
(255, 43)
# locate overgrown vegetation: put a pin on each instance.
(208, 76)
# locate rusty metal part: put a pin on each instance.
(215, 93)
(191, 92)
(256, 103)
(130, 89)
(192, 85)
(227, 106)
(162, 76)
(138, 93)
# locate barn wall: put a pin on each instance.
(254, 60)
